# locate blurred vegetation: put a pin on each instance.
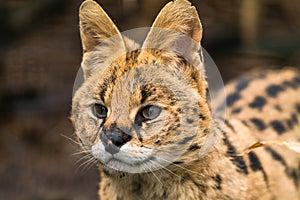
(40, 54)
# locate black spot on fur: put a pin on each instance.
(165, 193)
(294, 118)
(193, 147)
(190, 121)
(274, 90)
(290, 123)
(289, 84)
(201, 116)
(245, 123)
(297, 80)
(232, 98)
(144, 95)
(278, 127)
(242, 84)
(184, 178)
(106, 173)
(255, 165)
(258, 102)
(260, 125)
(236, 110)
(278, 107)
(238, 161)
(298, 107)
(218, 180)
(195, 110)
(137, 188)
(187, 139)
(157, 142)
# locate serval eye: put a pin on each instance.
(99, 111)
(150, 112)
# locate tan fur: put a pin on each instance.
(164, 73)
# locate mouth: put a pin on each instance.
(116, 165)
(134, 163)
(140, 161)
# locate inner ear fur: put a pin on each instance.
(175, 19)
(101, 40)
(96, 26)
(175, 36)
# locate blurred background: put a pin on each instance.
(40, 53)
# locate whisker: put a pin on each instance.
(166, 169)
(70, 139)
(154, 174)
(170, 162)
(81, 152)
(82, 158)
(86, 163)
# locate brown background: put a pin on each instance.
(40, 54)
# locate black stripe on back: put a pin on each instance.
(294, 174)
(255, 165)
(238, 161)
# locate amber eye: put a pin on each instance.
(99, 111)
(150, 112)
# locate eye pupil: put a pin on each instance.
(100, 111)
(150, 112)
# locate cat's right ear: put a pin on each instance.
(98, 33)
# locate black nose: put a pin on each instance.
(113, 138)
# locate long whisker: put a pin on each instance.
(166, 169)
(86, 163)
(145, 167)
(70, 139)
(170, 162)
(154, 174)
(82, 158)
(91, 164)
(81, 152)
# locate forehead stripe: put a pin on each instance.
(106, 84)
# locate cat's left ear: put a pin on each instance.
(177, 28)
(98, 34)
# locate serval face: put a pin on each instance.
(141, 108)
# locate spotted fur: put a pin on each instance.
(183, 153)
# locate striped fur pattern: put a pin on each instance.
(159, 158)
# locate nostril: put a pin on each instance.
(115, 138)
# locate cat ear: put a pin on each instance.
(176, 28)
(98, 33)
